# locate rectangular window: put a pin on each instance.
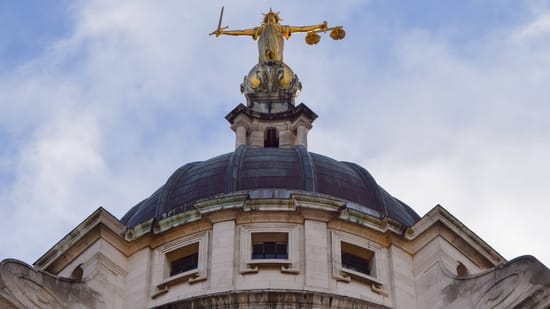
(356, 258)
(184, 264)
(271, 138)
(269, 246)
(183, 259)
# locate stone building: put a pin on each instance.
(272, 225)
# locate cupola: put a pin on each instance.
(270, 117)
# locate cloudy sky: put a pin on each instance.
(444, 102)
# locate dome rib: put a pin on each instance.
(370, 184)
(234, 166)
(306, 164)
(169, 185)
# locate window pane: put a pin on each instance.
(270, 250)
(258, 251)
(356, 263)
(184, 264)
(282, 252)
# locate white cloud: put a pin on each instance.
(538, 28)
(469, 133)
(138, 88)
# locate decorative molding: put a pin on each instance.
(100, 217)
(224, 202)
(273, 200)
(289, 299)
(290, 265)
(176, 220)
(441, 215)
(317, 201)
(340, 273)
(371, 221)
(161, 272)
(270, 205)
(102, 260)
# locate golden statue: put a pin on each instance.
(271, 86)
(271, 34)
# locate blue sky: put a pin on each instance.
(442, 101)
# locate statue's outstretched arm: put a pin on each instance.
(249, 32)
(319, 27)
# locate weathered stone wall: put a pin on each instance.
(272, 299)
(434, 264)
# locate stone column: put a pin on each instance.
(285, 138)
(402, 278)
(241, 136)
(223, 247)
(316, 255)
(301, 135)
(137, 288)
(256, 138)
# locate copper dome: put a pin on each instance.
(249, 169)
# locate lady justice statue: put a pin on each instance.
(270, 35)
(271, 82)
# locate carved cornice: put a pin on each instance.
(84, 232)
(439, 215)
(294, 113)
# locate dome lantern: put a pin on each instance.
(270, 117)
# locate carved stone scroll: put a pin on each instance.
(23, 286)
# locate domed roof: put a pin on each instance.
(250, 168)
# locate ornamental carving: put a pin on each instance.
(271, 77)
(22, 286)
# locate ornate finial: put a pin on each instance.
(271, 80)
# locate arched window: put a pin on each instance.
(77, 273)
(461, 270)
(271, 138)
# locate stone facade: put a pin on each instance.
(436, 263)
